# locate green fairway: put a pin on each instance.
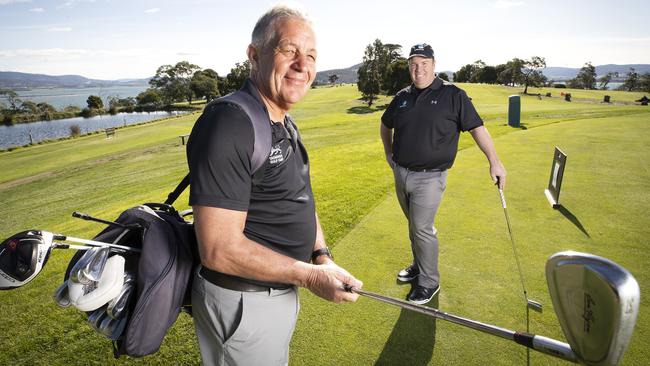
(605, 195)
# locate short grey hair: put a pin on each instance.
(265, 31)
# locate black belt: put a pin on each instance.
(423, 170)
(234, 283)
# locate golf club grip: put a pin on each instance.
(546, 345)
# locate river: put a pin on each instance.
(18, 135)
(63, 97)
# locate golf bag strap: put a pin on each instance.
(257, 113)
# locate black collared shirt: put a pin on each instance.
(427, 124)
(278, 198)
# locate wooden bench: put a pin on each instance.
(110, 132)
(183, 138)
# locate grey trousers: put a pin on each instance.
(419, 194)
(243, 328)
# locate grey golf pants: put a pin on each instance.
(243, 328)
(419, 194)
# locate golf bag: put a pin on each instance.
(163, 273)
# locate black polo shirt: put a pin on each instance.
(278, 198)
(427, 124)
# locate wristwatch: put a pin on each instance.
(322, 251)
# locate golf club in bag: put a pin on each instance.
(23, 256)
(596, 302)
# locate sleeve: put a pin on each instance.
(467, 114)
(387, 117)
(219, 153)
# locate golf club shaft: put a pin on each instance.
(94, 243)
(87, 217)
(539, 343)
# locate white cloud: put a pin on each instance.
(60, 29)
(502, 4)
(5, 2)
(152, 10)
(37, 10)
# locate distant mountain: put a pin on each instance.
(348, 75)
(565, 73)
(21, 80)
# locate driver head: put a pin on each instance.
(596, 302)
(22, 257)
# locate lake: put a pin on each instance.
(63, 97)
(18, 135)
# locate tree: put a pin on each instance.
(369, 73)
(586, 78)
(631, 81)
(95, 102)
(605, 79)
(237, 76)
(464, 75)
(205, 84)
(443, 76)
(511, 73)
(532, 72)
(333, 78)
(149, 98)
(12, 98)
(173, 82)
(486, 75)
(645, 82)
(46, 110)
(397, 77)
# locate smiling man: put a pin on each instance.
(258, 230)
(420, 131)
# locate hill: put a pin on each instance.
(21, 80)
(565, 73)
(347, 75)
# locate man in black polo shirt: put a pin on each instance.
(420, 131)
(257, 231)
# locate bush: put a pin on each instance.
(8, 120)
(89, 112)
(75, 130)
(559, 86)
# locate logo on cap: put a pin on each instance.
(422, 50)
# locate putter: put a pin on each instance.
(596, 302)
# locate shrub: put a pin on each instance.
(559, 86)
(75, 130)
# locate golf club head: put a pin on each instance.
(95, 266)
(22, 257)
(119, 327)
(61, 296)
(77, 273)
(96, 317)
(596, 302)
(118, 306)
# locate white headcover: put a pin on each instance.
(93, 296)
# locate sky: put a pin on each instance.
(119, 39)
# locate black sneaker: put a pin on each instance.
(421, 295)
(409, 273)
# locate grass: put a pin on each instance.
(605, 188)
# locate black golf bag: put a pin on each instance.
(163, 273)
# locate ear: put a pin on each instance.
(253, 56)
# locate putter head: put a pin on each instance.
(596, 302)
(22, 257)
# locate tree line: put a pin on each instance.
(182, 82)
(385, 71)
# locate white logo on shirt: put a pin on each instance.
(434, 102)
(403, 105)
(276, 155)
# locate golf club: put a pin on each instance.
(23, 255)
(77, 272)
(117, 306)
(530, 304)
(61, 296)
(87, 217)
(95, 267)
(596, 302)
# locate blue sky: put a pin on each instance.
(112, 39)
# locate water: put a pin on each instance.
(63, 97)
(18, 135)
